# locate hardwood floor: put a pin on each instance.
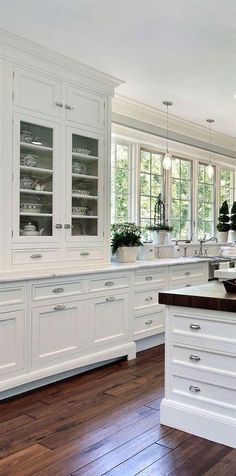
(104, 422)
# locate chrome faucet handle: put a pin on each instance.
(205, 252)
(185, 251)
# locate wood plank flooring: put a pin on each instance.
(105, 421)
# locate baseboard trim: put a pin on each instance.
(209, 425)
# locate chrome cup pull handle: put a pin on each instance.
(150, 321)
(194, 357)
(110, 298)
(109, 283)
(195, 389)
(58, 290)
(196, 327)
(36, 256)
(59, 104)
(149, 298)
(84, 253)
(67, 106)
(59, 307)
(149, 278)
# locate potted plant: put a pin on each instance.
(160, 233)
(126, 238)
(233, 222)
(223, 225)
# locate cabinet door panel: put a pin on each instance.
(11, 341)
(86, 109)
(110, 319)
(36, 92)
(59, 331)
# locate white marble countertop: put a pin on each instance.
(101, 268)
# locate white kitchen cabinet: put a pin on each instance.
(187, 275)
(110, 316)
(12, 341)
(59, 332)
(38, 93)
(85, 108)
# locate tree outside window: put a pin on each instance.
(151, 184)
(181, 198)
(205, 203)
(227, 186)
(120, 182)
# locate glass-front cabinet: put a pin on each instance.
(84, 186)
(35, 173)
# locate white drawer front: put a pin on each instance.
(35, 257)
(203, 327)
(203, 359)
(151, 277)
(185, 283)
(110, 282)
(11, 295)
(151, 324)
(56, 290)
(84, 254)
(203, 392)
(191, 271)
(144, 299)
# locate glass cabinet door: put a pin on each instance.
(85, 188)
(34, 170)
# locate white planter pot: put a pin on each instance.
(162, 237)
(222, 237)
(127, 254)
(154, 237)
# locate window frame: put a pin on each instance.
(151, 151)
(191, 193)
(130, 177)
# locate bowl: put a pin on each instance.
(79, 210)
(30, 207)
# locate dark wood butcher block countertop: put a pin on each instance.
(205, 296)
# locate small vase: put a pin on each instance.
(154, 236)
(162, 237)
(127, 254)
(222, 237)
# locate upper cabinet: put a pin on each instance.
(36, 92)
(55, 161)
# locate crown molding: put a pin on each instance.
(11, 45)
(148, 114)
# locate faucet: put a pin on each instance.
(203, 240)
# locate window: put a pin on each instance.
(227, 186)
(151, 184)
(181, 199)
(205, 203)
(120, 182)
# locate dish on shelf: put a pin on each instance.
(79, 210)
(29, 160)
(79, 150)
(79, 168)
(27, 183)
(30, 207)
(26, 136)
(81, 192)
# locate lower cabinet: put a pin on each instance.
(59, 331)
(12, 341)
(110, 316)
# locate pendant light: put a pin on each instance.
(210, 168)
(167, 160)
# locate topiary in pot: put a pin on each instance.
(233, 222)
(223, 225)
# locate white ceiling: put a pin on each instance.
(180, 50)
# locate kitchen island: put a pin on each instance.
(200, 362)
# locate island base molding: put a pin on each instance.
(204, 424)
(41, 377)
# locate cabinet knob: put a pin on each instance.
(58, 290)
(149, 322)
(59, 104)
(192, 388)
(84, 253)
(196, 327)
(110, 298)
(109, 283)
(68, 107)
(58, 225)
(149, 278)
(187, 273)
(149, 298)
(59, 307)
(68, 226)
(188, 285)
(36, 256)
(194, 357)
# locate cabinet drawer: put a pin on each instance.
(189, 272)
(203, 392)
(110, 282)
(203, 359)
(151, 324)
(11, 295)
(35, 257)
(145, 299)
(185, 283)
(84, 254)
(159, 276)
(56, 290)
(203, 327)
